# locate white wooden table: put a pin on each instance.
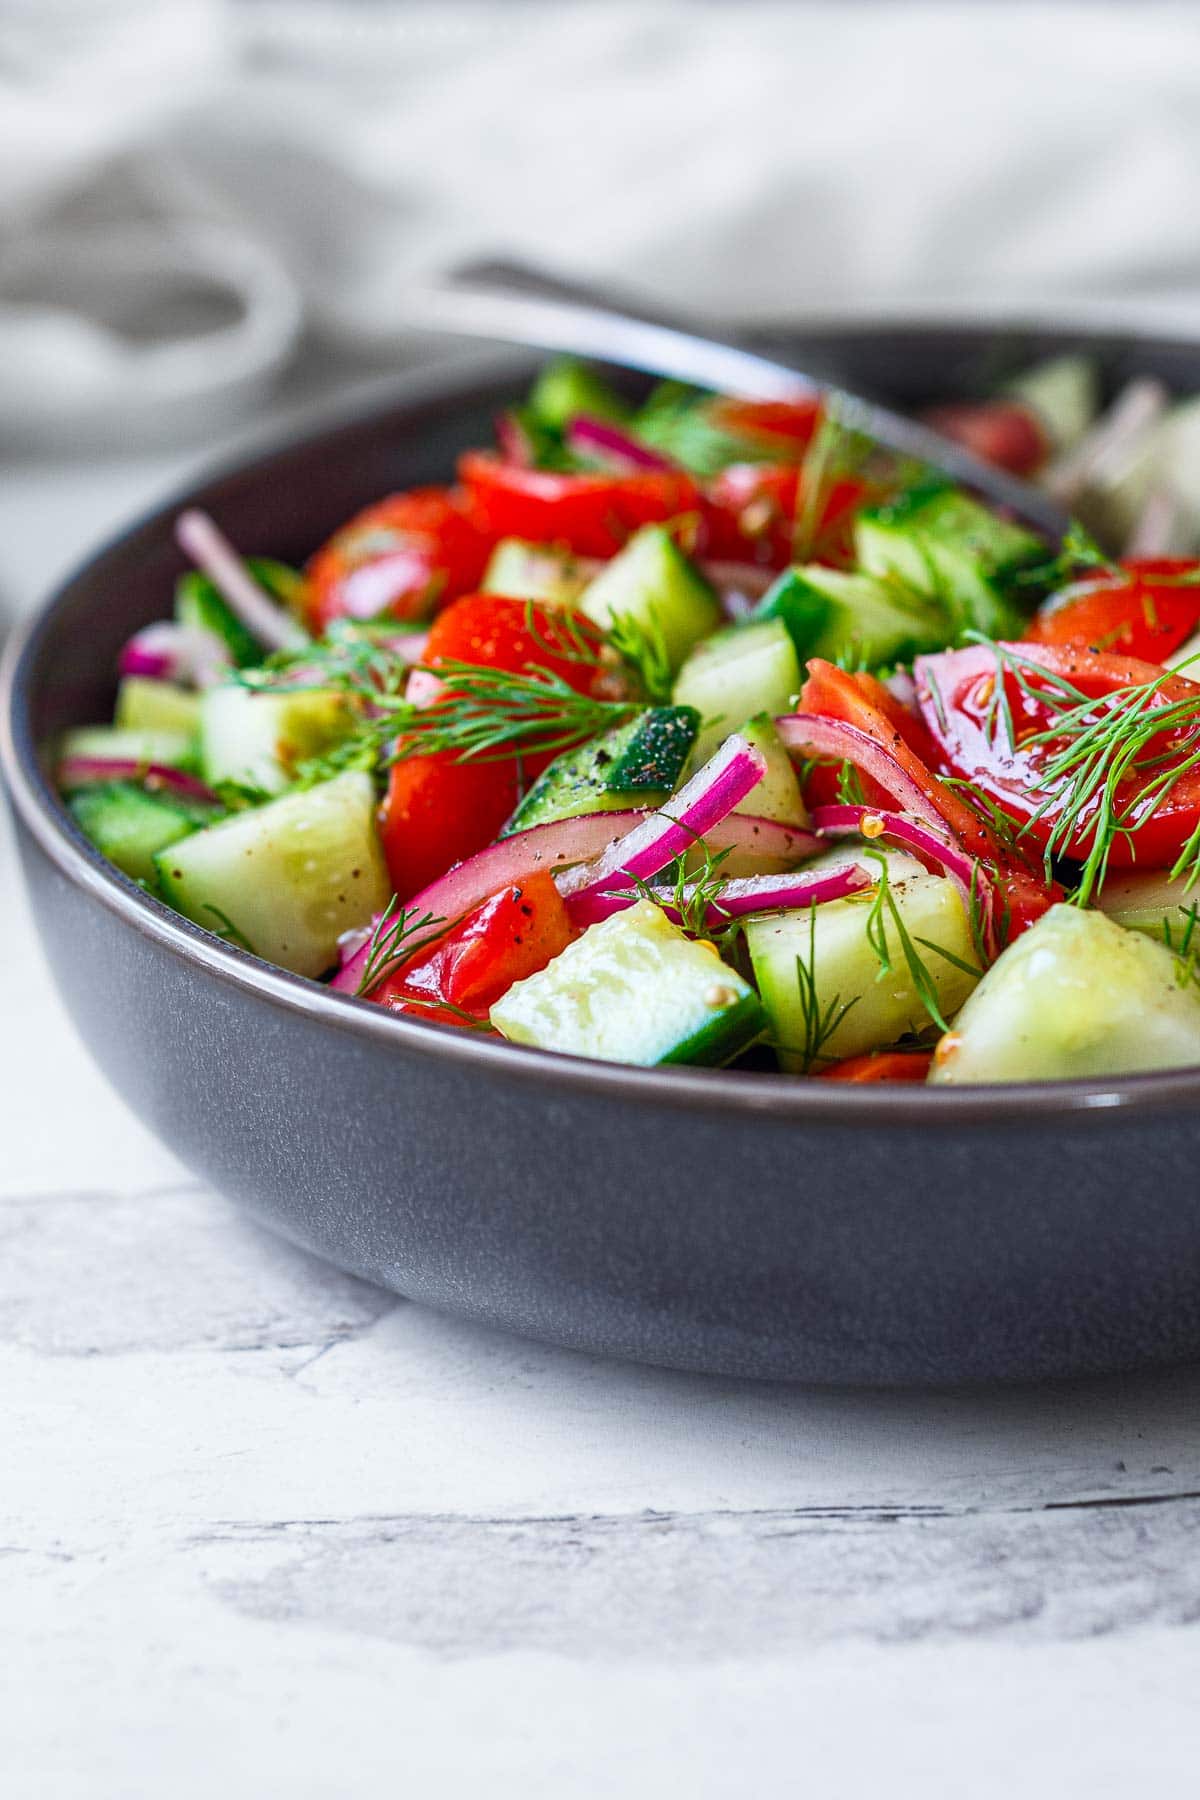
(266, 1531)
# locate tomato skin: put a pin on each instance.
(751, 511)
(503, 633)
(592, 514)
(833, 699)
(788, 426)
(438, 811)
(1001, 432)
(836, 694)
(400, 556)
(1012, 778)
(880, 1065)
(509, 936)
(1147, 614)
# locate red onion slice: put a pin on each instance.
(199, 537)
(87, 771)
(833, 740)
(713, 792)
(750, 894)
(513, 441)
(930, 846)
(605, 442)
(167, 651)
(512, 859)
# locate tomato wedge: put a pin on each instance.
(835, 694)
(440, 808)
(513, 934)
(399, 558)
(1002, 432)
(958, 696)
(787, 426)
(753, 511)
(592, 515)
(881, 1065)
(1145, 607)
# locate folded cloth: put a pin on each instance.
(190, 192)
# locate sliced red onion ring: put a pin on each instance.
(409, 646)
(199, 537)
(513, 859)
(714, 790)
(833, 740)
(423, 688)
(930, 846)
(605, 442)
(738, 580)
(87, 771)
(167, 651)
(750, 894)
(513, 441)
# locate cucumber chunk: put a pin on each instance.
(1063, 392)
(943, 544)
(777, 794)
(144, 704)
(852, 618)
(130, 826)
(832, 944)
(734, 675)
(172, 749)
(533, 572)
(568, 387)
(198, 602)
(285, 879)
(1151, 902)
(638, 764)
(1075, 995)
(634, 989)
(652, 582)
(258, 739)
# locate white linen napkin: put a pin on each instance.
(188, 187)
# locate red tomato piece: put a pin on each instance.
(1002, 432)
(592, 514)
(753, 512)
(516, 635)
(438, 811)
(513, 934)
(957, 691)
(1146, 607)
(400, 557)
(881, 1065)
(836, 694)
(787, 426)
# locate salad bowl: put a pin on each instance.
(737, 1223)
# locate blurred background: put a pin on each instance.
(210, 209)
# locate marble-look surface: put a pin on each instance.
(265, 1531)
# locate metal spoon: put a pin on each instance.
(517, 304)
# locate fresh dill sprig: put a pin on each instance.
(643, 650)
(391, 942)
(885, 911)
(485, 714)
(226, 929)
(819, 1022)
(1079, 555)
(686, 896)
(849, 785)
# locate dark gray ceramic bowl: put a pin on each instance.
(729, 1222)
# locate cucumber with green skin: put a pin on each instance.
(734, 675)
(527, 571)
(851, 618)
(199, 603)
(1075, 996)
(566, 388)
(169, 749)
(145, 704)
(288, 878)
(941, 543)
(130, 826)
(652, 583)
(257, 740)
(634, 765)
(634, 989)
(866, 1007)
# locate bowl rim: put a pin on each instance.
(779, 1098)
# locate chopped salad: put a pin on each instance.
(703, 732)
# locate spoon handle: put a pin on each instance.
(516, 303)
